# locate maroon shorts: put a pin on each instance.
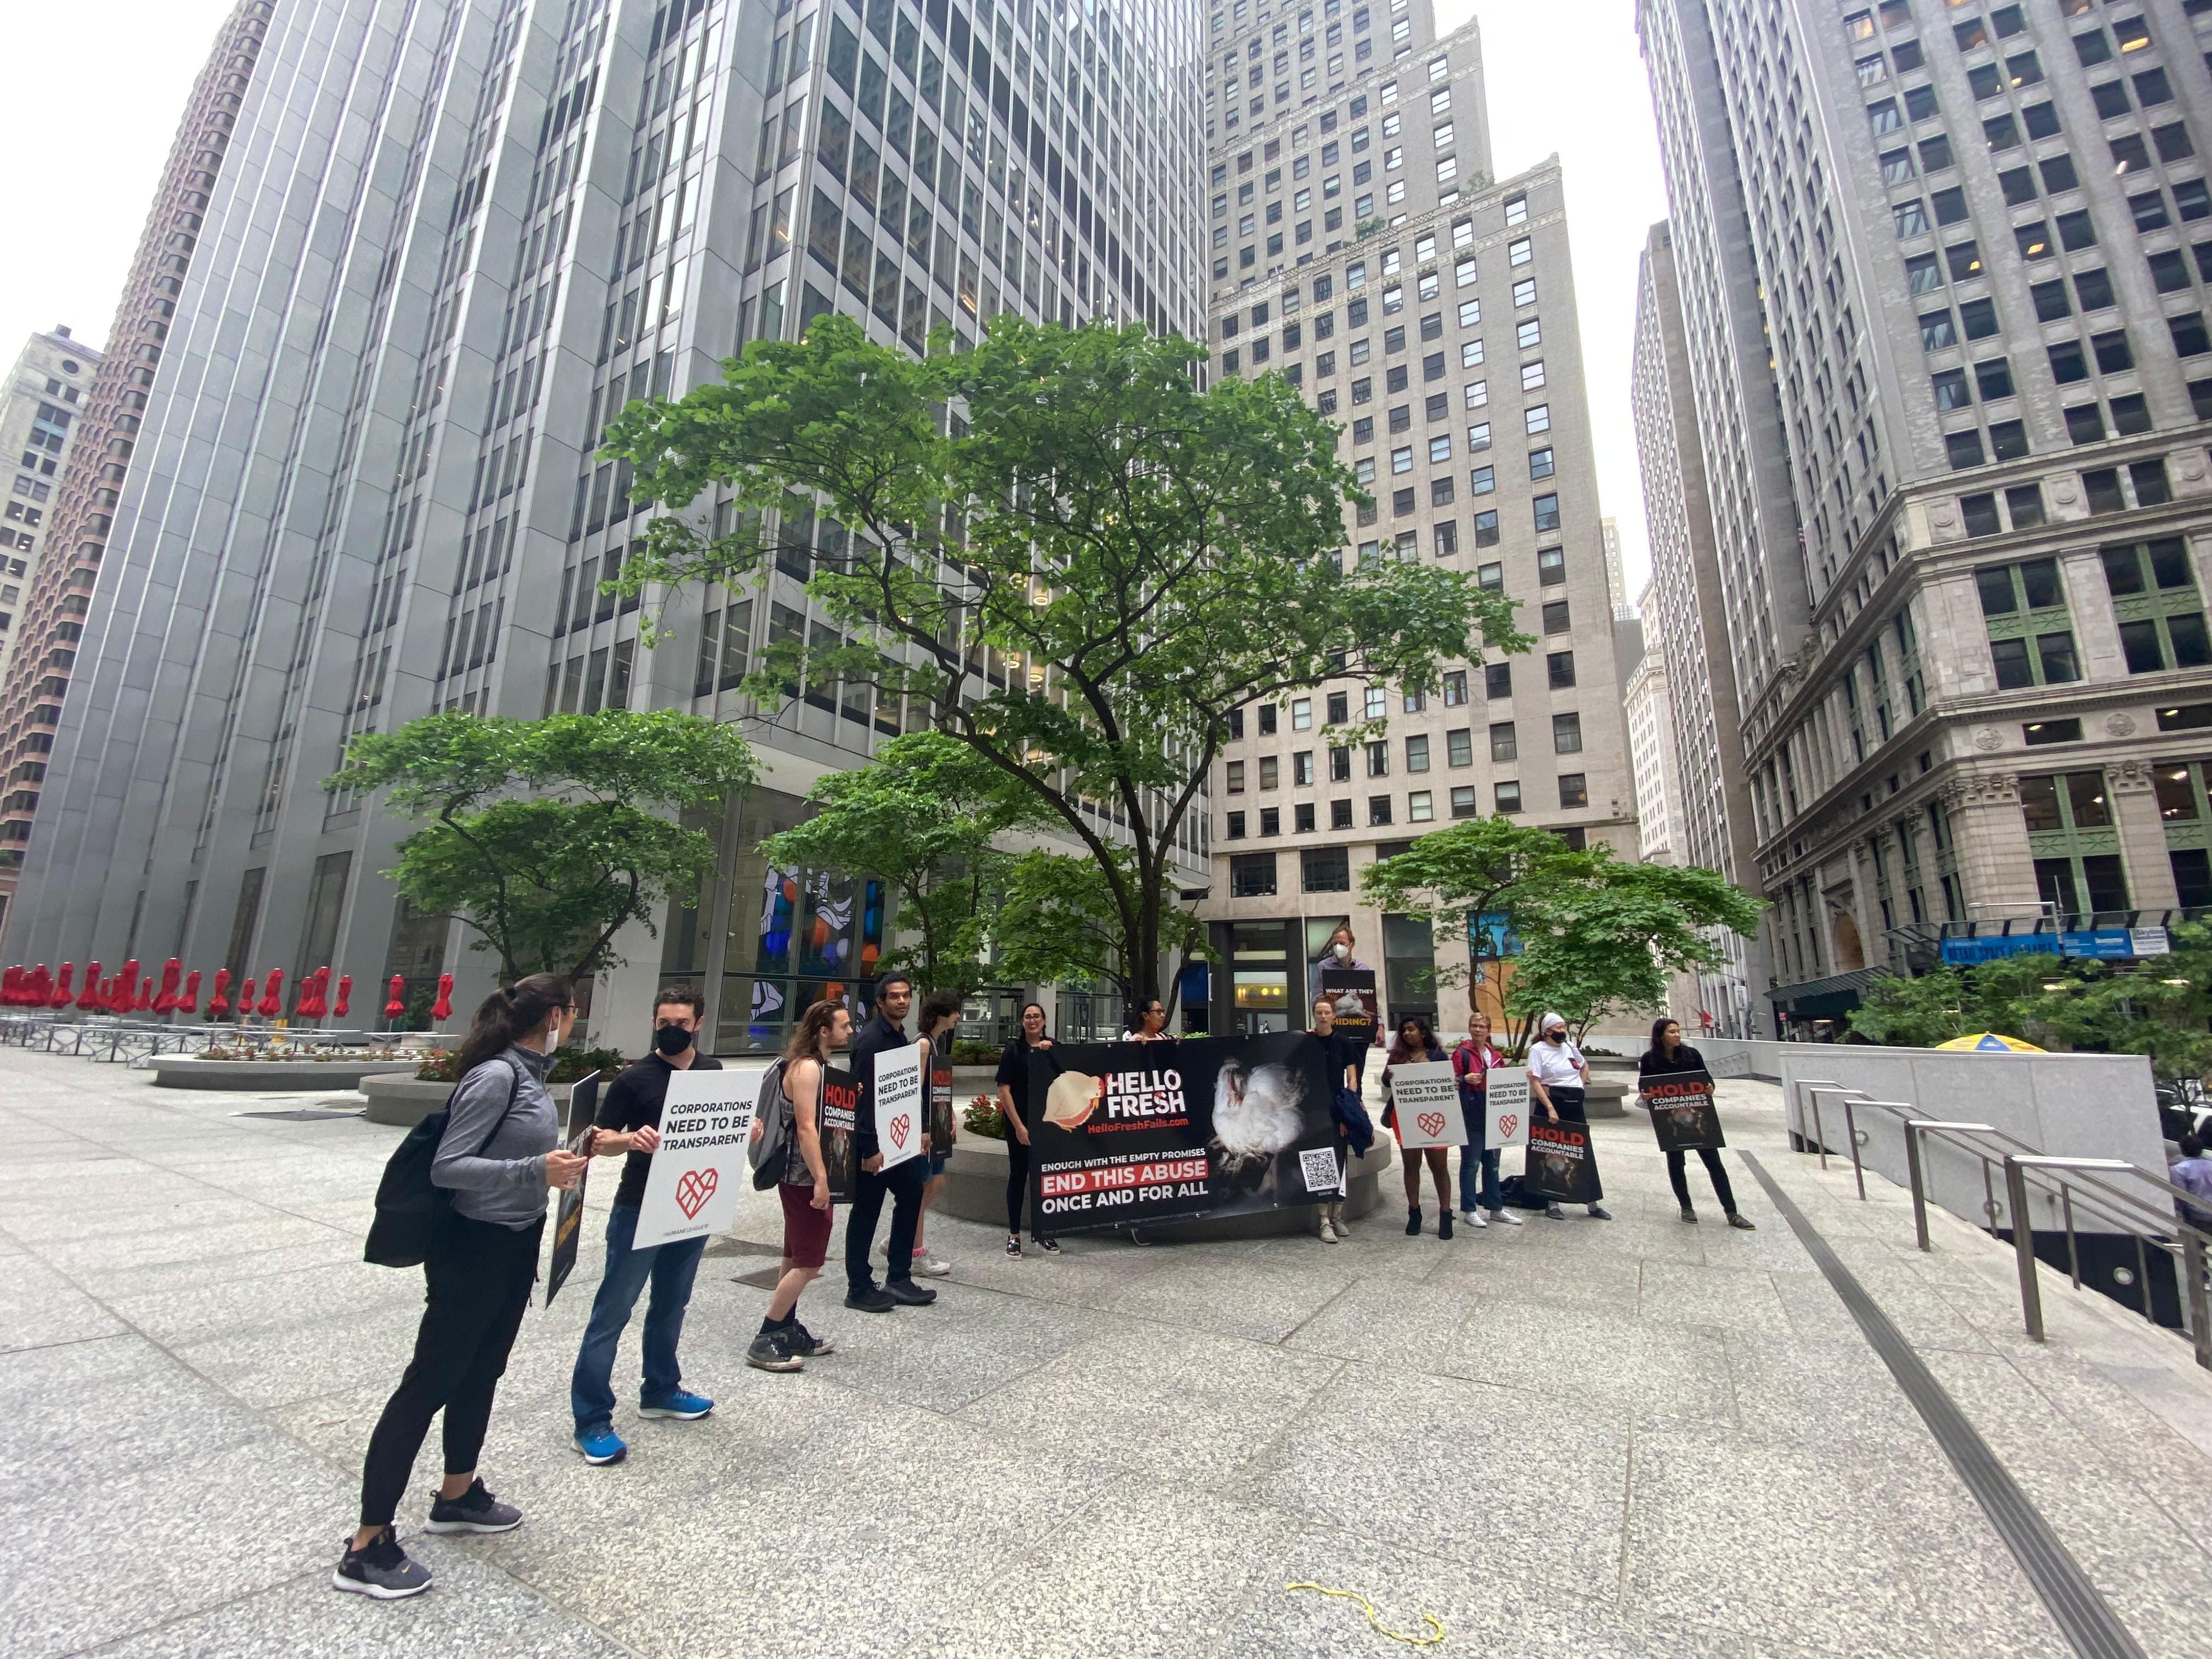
(805, 1228)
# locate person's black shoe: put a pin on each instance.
(1444, 1225)
(474, 1511)
(1049, 1246)
(1412, 1222)
(871, 1300)
(1553, 1212)
(1014, 1244)
(804, 1343)
(380, 1570)
(908, 1294)
(1735, 1220)
(1689, 1215)
(1599, 1212)
(771, 1351)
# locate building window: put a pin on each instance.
(2030, 631)
(2071, 836)
(1566, 734)
(1339, 815)
(1327, 869)
(1378, 809)
(1378, 758)
(1252, 875)
(1503, 746)
(1556, 619)
(1505, 797)
(1547, 509)
(1459, 746)
(1559, 671)
(1574, 789)
(1496, 680)
(2154, 598)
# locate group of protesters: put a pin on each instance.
(500, 1153)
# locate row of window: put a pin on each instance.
(1421, 804)
(2156, 605)
(1459, 748)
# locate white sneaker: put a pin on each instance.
(1325, 1233)
(1505, 1216)
(1473, 1219)
(926, 1263)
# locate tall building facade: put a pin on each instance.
(458, 236)
(1685, 620)
(42, 431)
(1360, 247)
(1648, 708)
(51, 626)
(1975, 231)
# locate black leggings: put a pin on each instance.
(1712, 1162)
(479, 1280)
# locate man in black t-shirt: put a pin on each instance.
(629, 1121)
(872, 1183)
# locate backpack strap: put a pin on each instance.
(513, 1088)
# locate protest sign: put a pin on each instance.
(692, 1188)
(1505, 1108)
(837, 1112)
(900, 1107)
(942, 1131)
(1562, 1164)
(569, 1213)
(1130, 1132)
(1425, 1105)
(1683, 1113)
(1358, 1011)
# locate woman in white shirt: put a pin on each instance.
(1557, 1077)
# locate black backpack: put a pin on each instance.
(409, 1205)
(774, 1137)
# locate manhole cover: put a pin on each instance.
(765, 1280)
(301, 1114)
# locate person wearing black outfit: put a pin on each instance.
(901, 1183)
(499, 1153)
(1417, 1042)
(629, 1121)
(1669, 1052)
(1013, 1081)
(1340, 1060)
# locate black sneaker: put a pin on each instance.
(1444, 1224)
(380, 1570)
(1689, 1215)
(909, 1294)
(1413, 1223)
(1735, 1220)
(771, 1351)
(871, 1300)
(474, 1511)
(804, 1343)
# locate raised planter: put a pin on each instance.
(975, 1190)
(405, 1102)
(272, 1076)
(1607, 1096)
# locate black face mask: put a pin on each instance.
(671, 1039)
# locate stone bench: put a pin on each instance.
(274, 1076)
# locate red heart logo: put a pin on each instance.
(1508, 1124)
(900, 1125)
(1432, 1123)
(693, 1189)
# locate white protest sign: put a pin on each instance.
(1425, 1097)
(1505, 1108)
(900, 1120)
(692, 1189)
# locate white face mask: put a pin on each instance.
(1339, 949)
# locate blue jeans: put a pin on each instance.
(1478, 1165)
(671, 1268)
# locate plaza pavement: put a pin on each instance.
(1575, 1439)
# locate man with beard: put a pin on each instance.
(901, 1183)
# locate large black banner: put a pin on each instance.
(1562, 1163)
(568, 1214)
(1683, 1113)
(1128, 1134)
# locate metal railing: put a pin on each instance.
(2161, 1225)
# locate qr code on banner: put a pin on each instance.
(1319, 1169)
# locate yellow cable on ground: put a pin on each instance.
(1435, 1624)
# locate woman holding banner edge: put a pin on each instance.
(1417, 1042)
(1472, 1062)
(1013, 1081)
(1669, 1052)
(1559, 1078)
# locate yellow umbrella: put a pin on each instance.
(1988, 1043)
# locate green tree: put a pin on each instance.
(1060, 922)
(1596, 933)
(1918, 1012)
(1609, 941)
(1082, 563)
(921, 817)
(549, 836)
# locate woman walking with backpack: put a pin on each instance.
(783, 1344)
(494, 1161)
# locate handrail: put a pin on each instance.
(2168, 1228)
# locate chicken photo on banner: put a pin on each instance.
(1135, 1132)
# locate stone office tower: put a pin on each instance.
(455, 237)
(1359, 246)
(1981, 235)
(51, 623)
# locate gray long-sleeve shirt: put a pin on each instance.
(499, 1178)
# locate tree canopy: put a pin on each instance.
(1078, 561)
(549, 836)
(1595, 934)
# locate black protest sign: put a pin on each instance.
(568, 1214)
(1126, 1134)
(1561, 1163)
(1357, 1009)
(941, 1130)
(1683, 1113)
(839, 1111)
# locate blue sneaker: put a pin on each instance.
(601, 1445)
(679, 1404)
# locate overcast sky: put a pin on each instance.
(1563, 76)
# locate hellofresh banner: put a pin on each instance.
(692, 1190)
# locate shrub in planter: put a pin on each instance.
(570, 1064)
(982, 1116)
